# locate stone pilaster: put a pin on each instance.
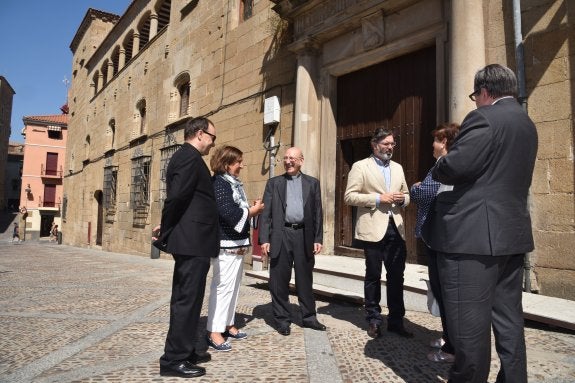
(307, 129)
(467, 55)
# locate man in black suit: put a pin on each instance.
(189, 231)
(482, 229)
(291, 233)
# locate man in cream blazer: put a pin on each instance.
(376, 185)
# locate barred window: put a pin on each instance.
(184, 91)
(140, 192)
(110, 183)
(170, 147)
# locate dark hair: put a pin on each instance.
(223, 157)
(195, 125)
(498, 80)
(448, 131)
(380, 134)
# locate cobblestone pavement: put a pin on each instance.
(79, 315)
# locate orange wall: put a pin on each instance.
(37, 144)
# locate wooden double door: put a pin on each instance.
(399, 94)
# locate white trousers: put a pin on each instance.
(224, 290)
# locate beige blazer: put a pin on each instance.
(365, 181)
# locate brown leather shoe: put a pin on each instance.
(374, 330)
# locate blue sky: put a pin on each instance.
(35, 51)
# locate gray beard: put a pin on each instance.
(386, 156)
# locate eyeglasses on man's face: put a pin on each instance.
(473, 96)
(210, 134)
(387, 144)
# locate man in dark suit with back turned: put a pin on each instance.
(482, 229)
(291, 233)
(189, 231)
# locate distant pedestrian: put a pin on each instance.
(16, 233)
(54, 233)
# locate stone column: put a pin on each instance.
(467, 55)
(110, 70)
(307, 130)
(121, 59)
(136, 44)
(153, 25)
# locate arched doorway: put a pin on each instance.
(100, 223)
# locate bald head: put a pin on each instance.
(293, 160)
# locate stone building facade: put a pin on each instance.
(42, 173)
(340, 68)
(13, 178)
(6, 97)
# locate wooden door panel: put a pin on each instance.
(398, 94)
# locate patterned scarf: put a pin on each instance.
(237, 190)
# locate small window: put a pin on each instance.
(141, 106)
(166, 152)
(140, 190)
(110, 184)
(184, 91)
(246, 9)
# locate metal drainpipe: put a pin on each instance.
(522, 97)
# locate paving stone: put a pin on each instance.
(82, 315)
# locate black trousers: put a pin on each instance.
(435, 283)
(188, 288)
(390, 252)
(292, 254)
(480, 293)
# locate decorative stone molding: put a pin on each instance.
(373, 30)
(320, 14)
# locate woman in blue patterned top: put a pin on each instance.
(423, 193)
(234, 212)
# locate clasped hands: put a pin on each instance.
(395, 197)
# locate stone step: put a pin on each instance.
(342, 278)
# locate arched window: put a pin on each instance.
(87, 148)
(144, 30)
(104, 70)
(141, 106)
(163, 11)
(110, 134)
(246, 9)
(127, 44)
(95, 81)
(115, 61)
(182, 84)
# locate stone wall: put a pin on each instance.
(232, 66)
(549, 41)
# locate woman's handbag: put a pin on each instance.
(432, 304)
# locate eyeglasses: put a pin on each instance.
(473, 96)
(390, 144)
(210, 134)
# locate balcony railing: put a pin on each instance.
(51, 173)
(42, 203)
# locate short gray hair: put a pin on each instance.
(380, 134)
(497, 80)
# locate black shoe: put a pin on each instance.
(182, 369)
(401, 331)
(200, 358)
(284, 330)
(374, 331)
(315, 325)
